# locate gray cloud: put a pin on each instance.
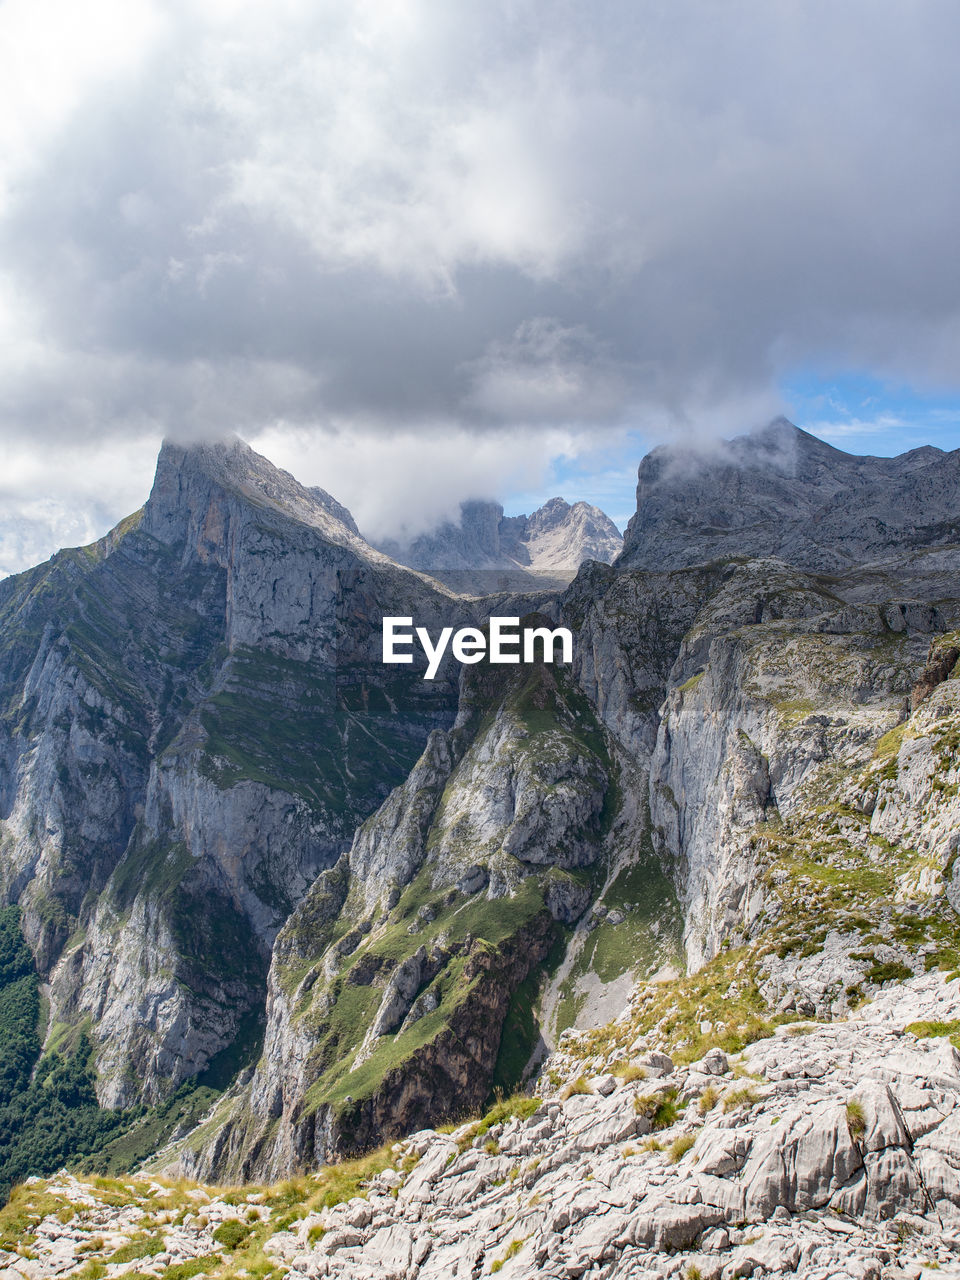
(380, 217)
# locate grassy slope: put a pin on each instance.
(824, 872)
(554, 717)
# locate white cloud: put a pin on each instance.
(547, 372)
(515, 218)
(410, 481)
(388, 140)
(67, 495)
(53, 55)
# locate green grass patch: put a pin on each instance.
(888, 971)
(632, 945)
(141, 1246)
(574, 1087)
(192, 1267)
(692, 682)
(793, 710)
(659, 1108)
(856, 1120)
(23, 1213)
(511, 1251)
(681, 1144)
(521, 1029)
(735, 1099)
(232, 1233)
(342, 1026)
(933, 1030)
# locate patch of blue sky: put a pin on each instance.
(865, 415)
(852, 411)
(605, 476)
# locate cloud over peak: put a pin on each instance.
(393, 216)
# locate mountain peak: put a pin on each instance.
(189, 476)
(556, 537)
(780, 491)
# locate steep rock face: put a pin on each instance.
(782, 492)
(917, 798)
(728, 693)
(783, 669)
(845, 893)
(390, 983)
(777, 678)
(629, 625)
(726, 688)
(189, 735)
(561, 536)
(81, 698)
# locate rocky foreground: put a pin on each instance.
(826, 1150)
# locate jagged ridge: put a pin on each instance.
(744, 727)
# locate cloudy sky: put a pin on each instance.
(419, 250)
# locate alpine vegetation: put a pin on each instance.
(358, 926)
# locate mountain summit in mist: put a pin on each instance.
(285, 904)
(782, 492)
(557, 538)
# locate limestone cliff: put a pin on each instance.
(736, 807)
(782, 492)
(192, 729)
(391, 982)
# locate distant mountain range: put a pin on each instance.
(549, 545)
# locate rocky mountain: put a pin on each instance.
(824, 1150)
(701, 882)
(782, 492)
(545, 548)
(193, 724)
